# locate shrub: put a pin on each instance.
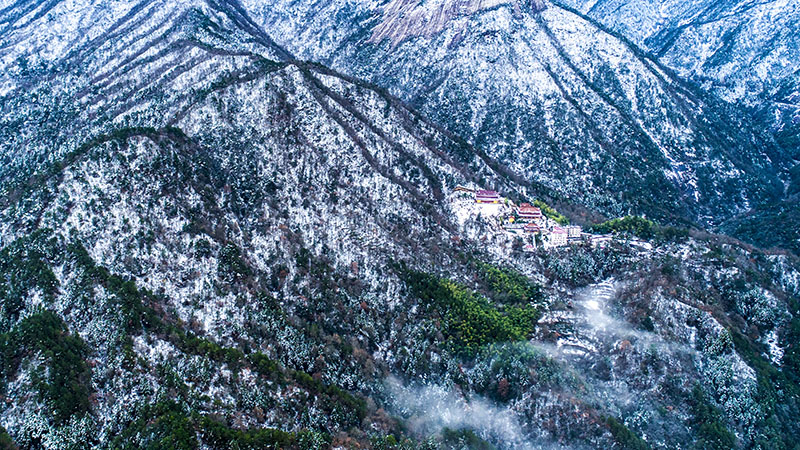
(203, 247)
(508, 285)
(170, 425)
(711, 431)
(219, 435)
(791, 356)
(339, 397)
(23, 268)
(471, 321)
(550, 213)
(505, 371)
(626, 438)
(633, 225)
(6, 443)
(266, 366)
(231, 266)
(757, 308)
(163, 425)
(459, 439)
(66, 388)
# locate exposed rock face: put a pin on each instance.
(404, 19)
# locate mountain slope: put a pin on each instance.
(194, 186)
(743, 51)
(211, 245)
(551, 95)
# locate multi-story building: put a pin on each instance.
(487, 197)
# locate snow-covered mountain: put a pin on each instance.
(206, 243)
(744, 51)
(550, 94)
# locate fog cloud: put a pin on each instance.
(431, 408)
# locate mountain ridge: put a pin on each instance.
(418, 71)
(230, 248)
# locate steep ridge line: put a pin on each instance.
(241, 16)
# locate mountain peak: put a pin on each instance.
(406, 19)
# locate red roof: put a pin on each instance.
(559, 230)
(528, 209)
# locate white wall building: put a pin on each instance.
(558, 236)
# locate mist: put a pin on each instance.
(431, 408)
